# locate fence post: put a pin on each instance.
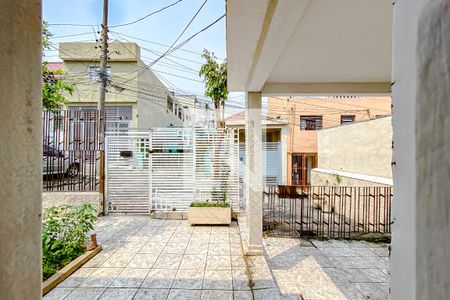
(150, 170)
(102, 181)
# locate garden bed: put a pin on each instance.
(65, 272)
(64, 236)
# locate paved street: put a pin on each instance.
(145, 258)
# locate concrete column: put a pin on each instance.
(420, 259)
(253, 173)
(20, 149)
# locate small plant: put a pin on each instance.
(64, 231)
(210, 204)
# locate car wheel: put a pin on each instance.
(73, 170)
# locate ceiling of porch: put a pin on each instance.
(309, 46)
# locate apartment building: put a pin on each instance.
(135, 97)
(308, 115)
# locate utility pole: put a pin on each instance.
(101, 101)
(104, 59)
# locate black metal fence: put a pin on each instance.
(73, 150)
(327, 211)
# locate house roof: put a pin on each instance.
(53, 66)
(238, 119)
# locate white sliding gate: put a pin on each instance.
(168, 168)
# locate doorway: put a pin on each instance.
(302, 164)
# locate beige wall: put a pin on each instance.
(364, 147)
(50, 199)
(20, 150)
(132, 82)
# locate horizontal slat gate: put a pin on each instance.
(169, 168)
(127, 172)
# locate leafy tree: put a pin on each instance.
(53, 85)
(215, 78)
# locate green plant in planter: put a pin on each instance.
(64, 231)
(221, 197)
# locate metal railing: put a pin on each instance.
(73, 149)
(327, 211)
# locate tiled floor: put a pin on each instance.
(328, 269)
(145, 258)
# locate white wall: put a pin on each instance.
(403, 260)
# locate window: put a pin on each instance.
(94, 73)
(347, 119)
(310, 122)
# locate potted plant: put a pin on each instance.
(214, 211)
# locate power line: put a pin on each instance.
(179, 45)
(188, 39)
(185, 28)
(146, 16)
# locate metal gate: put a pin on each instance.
(168, 168)
(127, 172)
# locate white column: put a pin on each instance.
(253, 174)
(420, 259)
(20, 150)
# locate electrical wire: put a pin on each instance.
(146, 16)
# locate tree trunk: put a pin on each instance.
(217, 114)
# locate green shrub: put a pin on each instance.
(64, 231)
(210, 204)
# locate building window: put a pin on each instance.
(310, 122)
(94, 73)
(347, 119)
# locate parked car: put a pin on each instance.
(55, 162)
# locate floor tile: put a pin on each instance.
(159, 278)
(130, 277)
(77, 277)
(102, 277)
(188, 279)
(58, 293)
(82, 293)
(118, 294)
(168, 261)
(216, 295)
(143, 260)
(151, 294)
(218, 262)
(179, 294)
(218, 280)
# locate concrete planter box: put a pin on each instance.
(209, 215)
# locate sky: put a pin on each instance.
(163, 28)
